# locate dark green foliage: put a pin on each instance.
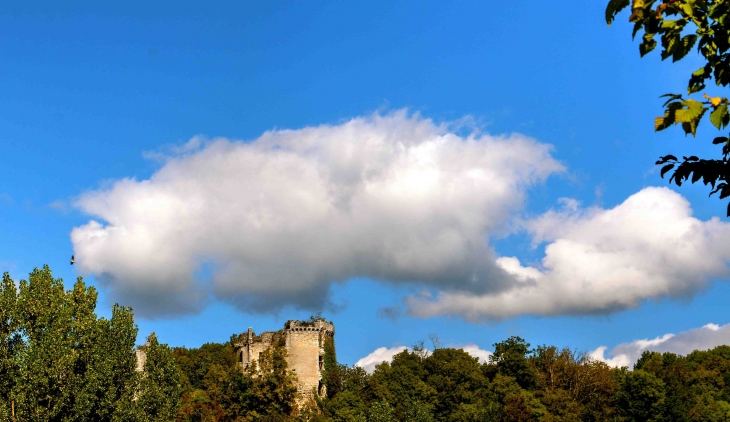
(159, 393)
(346, 406)
(381, 411)
(555, 385)
(58, 361)
(10, 344)
(682, 25)
(510, 356)
(330, 377)
(458, 382)
(642, 396)
(273, 388)
(401, 381)
(216, 387)
(196, 363)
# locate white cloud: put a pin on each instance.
(378, 356)
(476, 352)
(384, 354)
(601, 261)
(275, 221)
(703, 338)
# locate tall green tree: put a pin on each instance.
(47, 361)
(10, 346)
(461, 387)
(681, 25)
(273, 390)
(60, 362)
(159, 395)
(642, 396)
(511, 358)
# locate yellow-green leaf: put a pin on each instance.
(718, 117)
(663, 122)
(692, 110)
(614, 6)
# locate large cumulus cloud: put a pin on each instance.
(601, 261)
(275, 221)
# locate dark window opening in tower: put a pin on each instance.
(321, 363)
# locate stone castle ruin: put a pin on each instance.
(306, 346)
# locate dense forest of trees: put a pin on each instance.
(60, 362)
(518, 384)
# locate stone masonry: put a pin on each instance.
(304, 342)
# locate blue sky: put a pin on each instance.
(95, 95)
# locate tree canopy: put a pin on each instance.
(59, 361)
(681, 25)
(541, 384)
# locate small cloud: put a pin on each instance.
(378, 356)
(598, 191)
(391, 312)
(170, 151)
(7, 266)
(60, 205)
(569, 204)
(384, 354)
(703, 338)
(476, 352)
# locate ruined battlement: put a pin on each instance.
(305, 345)
(320, 325)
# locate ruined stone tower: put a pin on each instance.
(305, 344)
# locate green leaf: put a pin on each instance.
(725, 192)
(697, 80)
(666, 159)
(688, 9)
(647, 45)
(719, 140)
(696, 176)
(688, 128)
(672, 97)
(666, 168)
(718, 116)
(683, 47)
(637, 27)
(692, 112)
(669, 41)
(615, 6)
(661, 123)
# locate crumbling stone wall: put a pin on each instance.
(305, 346)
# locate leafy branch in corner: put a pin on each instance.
(707, 23)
